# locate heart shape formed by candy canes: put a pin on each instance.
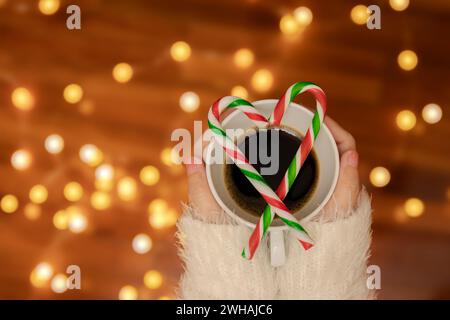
(274, 200)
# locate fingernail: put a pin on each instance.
(194, 165)
(351, 159)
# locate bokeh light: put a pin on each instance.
(406, 120)
(142, 243)
(104, 185)
(61, 220)
(100, 200)
(77, 222)
(91, 155)
(169, 157)
(239, 91)
(9, 203)
(303, 15)
(104, 172)
(399, 5)
(41, 274)
(243, 58)
(32, 211)
(414, 207)
(73, 93)
(360, 14)
(180, 51)
(149, 175)
(289, 25)
(379, 177)
(59, 283)
(407, 60)
(22, 99)
(21, 159)
(38, 194)
(122, 72)
(54, 144)
(153, 279)
(128, 292)
(262, 80)
(432, 113)
(73, 191)
(189, 101)
(48, 7)
(159, 219)
(157, 205)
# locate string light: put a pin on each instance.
(262, 80)
(38, 194)
(303, 15)
(406, 120)
(61, 220)
(180, 51)
(128, 293)
(73, 191)
(21, 159)
(73, 93)
(359, 14)
(9, 203)
(153, 279)
(100, 200)
(243, 58)
(91, 155)
(407, 60)
(32, 211)
(189, 101)
(127, 189)
(41, 274)
(239, 91)
(399, 5)
(104, 172)
(289, 25)
(380, 177)
(122, 72)
(48, 7)
(414, 207)
(59, 283)
(77, 222)
(142, 243)
(54, 144)
(149, 175)
(22, 99)
(432, 113)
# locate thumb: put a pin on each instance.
(347, 188)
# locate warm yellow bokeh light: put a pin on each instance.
(414, 207)
(41, 274)
(153, 279)
(32, 211)
(379, 176)
(73, 93)
(48, 7)
(399, 5)
(360, 14)
(406, 120)
(128, 293)
(22, 99)
(104, 172)
(73, 191)
(142, 243)
(77, 222)
(189, 101)
(38, 194)
(21, 159)
(289, 25)
(240, 92)
(54, 144)
(104, 185)
(164, 298)
(169, 157)
(303, 15)
(432, 113)
(100, 200)
(180, 51)
(262, 80)
(160, 219)
(243, 58)
(91, 155)
(122, 72)
(158, 205)
(59, 283)
(9, 203)
(61, 220)
(149, 175)
(127, 189)
(407, 60)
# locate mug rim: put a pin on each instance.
(230, 212)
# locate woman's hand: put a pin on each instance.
(344, 197)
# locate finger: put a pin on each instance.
(348, 187)
(344, 139)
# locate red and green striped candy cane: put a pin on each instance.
(275, 204)
(297, 162)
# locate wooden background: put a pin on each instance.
(132, 123)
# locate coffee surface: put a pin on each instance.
(243, 192)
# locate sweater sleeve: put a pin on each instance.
(335, 268)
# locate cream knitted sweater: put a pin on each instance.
(335, 268)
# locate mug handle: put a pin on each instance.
(277, 250)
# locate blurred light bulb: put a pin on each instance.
(406, 120)
(243, 58)
(73, 93)
(142, 243)
(61, 220)
(21, 159)
(41, 274)
(240, 92)
(432, 113)
(149, 175)
(77, 222)
(379, 176)
(360, 14)
(289, 25)
(180, 51)
(54, 143)
(32, 211)
(127, 189)
(189, 101)
(38, 194)
(122, 72)
(59, 283)
(407, 60)
(91, 155)
(128, 293)
(73, 191)
(153, 279)
(262, 80)
(9, 203)
(414, 207)
(100, 200)
(48, 7)
(303, 15)
(22, 99)
(399, 5)
(104, 172)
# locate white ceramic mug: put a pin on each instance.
(299, 119)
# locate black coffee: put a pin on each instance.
(243, 192)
